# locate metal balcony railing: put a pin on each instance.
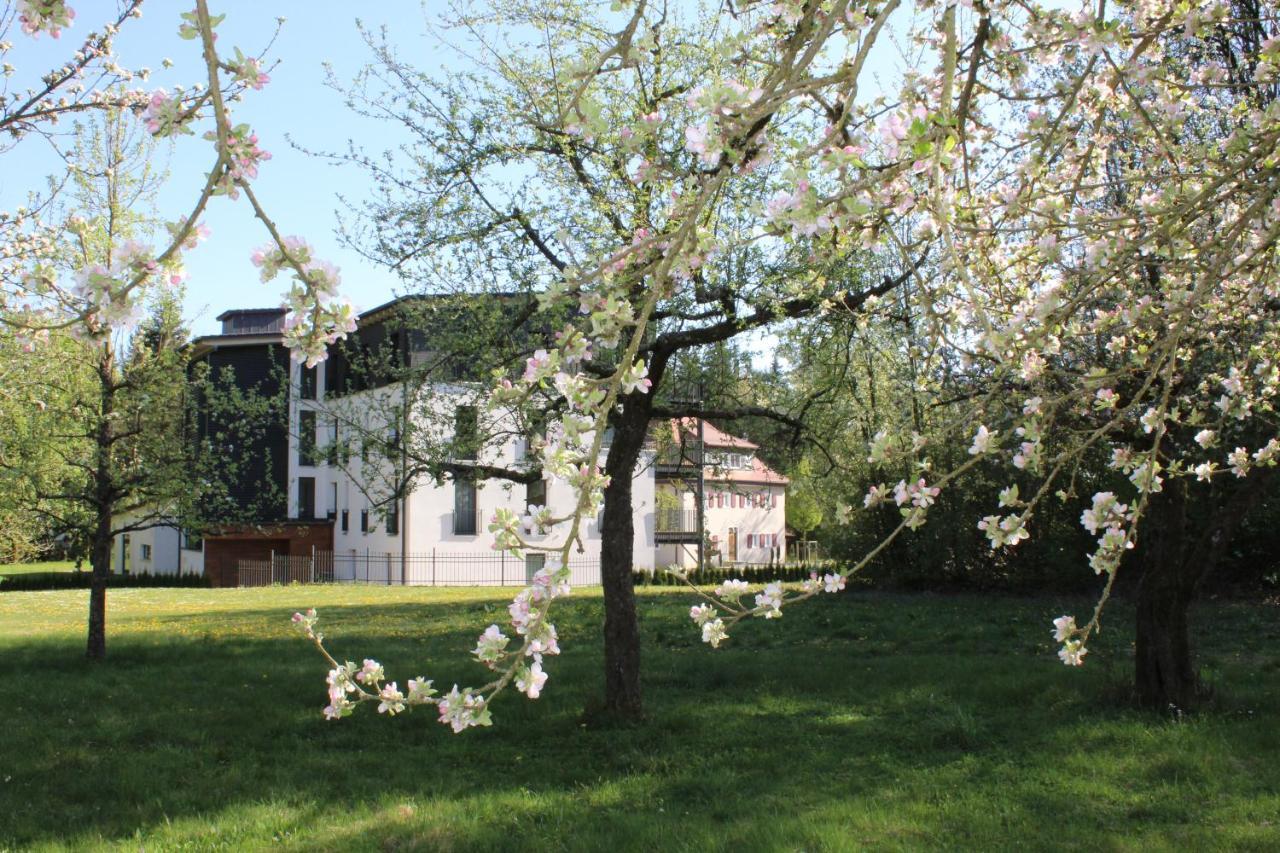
(676, 521)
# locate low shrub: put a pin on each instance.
(762, 573)
(36, 581)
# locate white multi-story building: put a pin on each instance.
(432, 524)
(355, 488)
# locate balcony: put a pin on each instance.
(675, 525)
(685, 470)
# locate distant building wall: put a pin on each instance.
(224, 550)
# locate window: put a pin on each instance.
(775, 501)
(191, 541)
(306, 437)
(751, 540)
(720, 500)
(331, 456)
(307, 497)
(533, 563)
(333, 502)
(535, 426)
(346, 520)
(535, 494)
(307, 383)
(711, 499)
(146, 552)
(342, 446)
(393, 518)
(466, 432)
(464, 506)
(364, 521)
(393, 442)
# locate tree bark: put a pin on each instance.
(1164, 675)
(622, 695)
(103, 502)
(101, 561)
(1175, 560)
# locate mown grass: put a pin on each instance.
(863, 721)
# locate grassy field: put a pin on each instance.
(38, 568)
(863, 721)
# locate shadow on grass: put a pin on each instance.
(851, 725)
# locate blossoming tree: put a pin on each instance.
(59, 276)
(1083, 201)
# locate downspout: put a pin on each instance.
(702, 532)
(404, 456)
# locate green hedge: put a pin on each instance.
(80, 580)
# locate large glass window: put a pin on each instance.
(307, 383)
(466, 433)
(536, 493)
(393, 518)
(307, 498)
(464, 506)
(306, 437)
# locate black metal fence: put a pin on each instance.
(435, 568)
(676, 521)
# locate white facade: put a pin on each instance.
(152, 551)
(744, 509)
(374, 537)
(746, 522)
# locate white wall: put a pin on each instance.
(427, 518)
(192, 561)
(152, 551)
(730, 506)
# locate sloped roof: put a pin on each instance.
(758, 474)
(711, 436)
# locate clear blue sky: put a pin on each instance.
(298, 191)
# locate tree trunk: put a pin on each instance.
(1163, 672)
(100, 560)
(1174, 561)
(621, 627)
(103, 498)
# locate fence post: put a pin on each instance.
(433, 566)
(388, 568)
(271, 561)
(502, 570)
(313, 564)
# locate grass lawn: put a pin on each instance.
(38, 568)
(862, 721)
